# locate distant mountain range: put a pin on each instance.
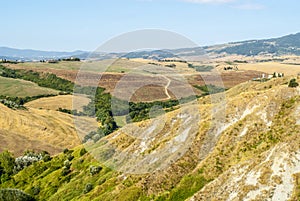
(289, 44)
(28, 54)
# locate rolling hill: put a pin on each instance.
(286, 45)
(39, 129)
(22, 88)
(248, 150)
(289, 44)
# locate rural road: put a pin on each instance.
(167, 86)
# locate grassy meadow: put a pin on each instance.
(20, 88)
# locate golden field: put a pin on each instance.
(56, 102)
(40, 130)
(271, 67)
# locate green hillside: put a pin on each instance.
(279, 46)
(20, 88)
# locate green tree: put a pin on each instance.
(7, 162)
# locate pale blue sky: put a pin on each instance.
(86, 24)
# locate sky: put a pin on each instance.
(68, 25)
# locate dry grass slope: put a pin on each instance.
(64, 101)
(259, 118)
(271, 67)
(40, 130)
(252, 153)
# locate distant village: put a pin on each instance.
(265, 77)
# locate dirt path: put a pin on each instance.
(167, 86)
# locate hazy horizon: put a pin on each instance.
(77, 25)
(75, 50)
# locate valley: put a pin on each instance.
(223, 128)
(244, 145)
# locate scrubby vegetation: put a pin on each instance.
(18, 102)
(14, 195)
(73, 112)
(82, 178)
(201, 68)
(210, 89)
(7, 164)
(293, 83)
(10, 166)
(29, 158)
(11, 104)
(42, 179)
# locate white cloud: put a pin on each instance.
(209, 1)
(249, 6)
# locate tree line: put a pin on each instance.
(48, 80)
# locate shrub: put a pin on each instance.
(82, 151)
(67, 164)
(65, 171)
(66, 150)
(88, 188)
(293, 83)
(29, 158)
(7, 162)
(95, 169)
(35, 190)
(47, 158)
(70, 157)
(201, 68)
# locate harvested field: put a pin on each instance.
(271, 67)
(148, 82)
(37, 129)
(54, 103)
(228, 79)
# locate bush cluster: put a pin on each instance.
(29, 158)
(14, 195)
(95, 169)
